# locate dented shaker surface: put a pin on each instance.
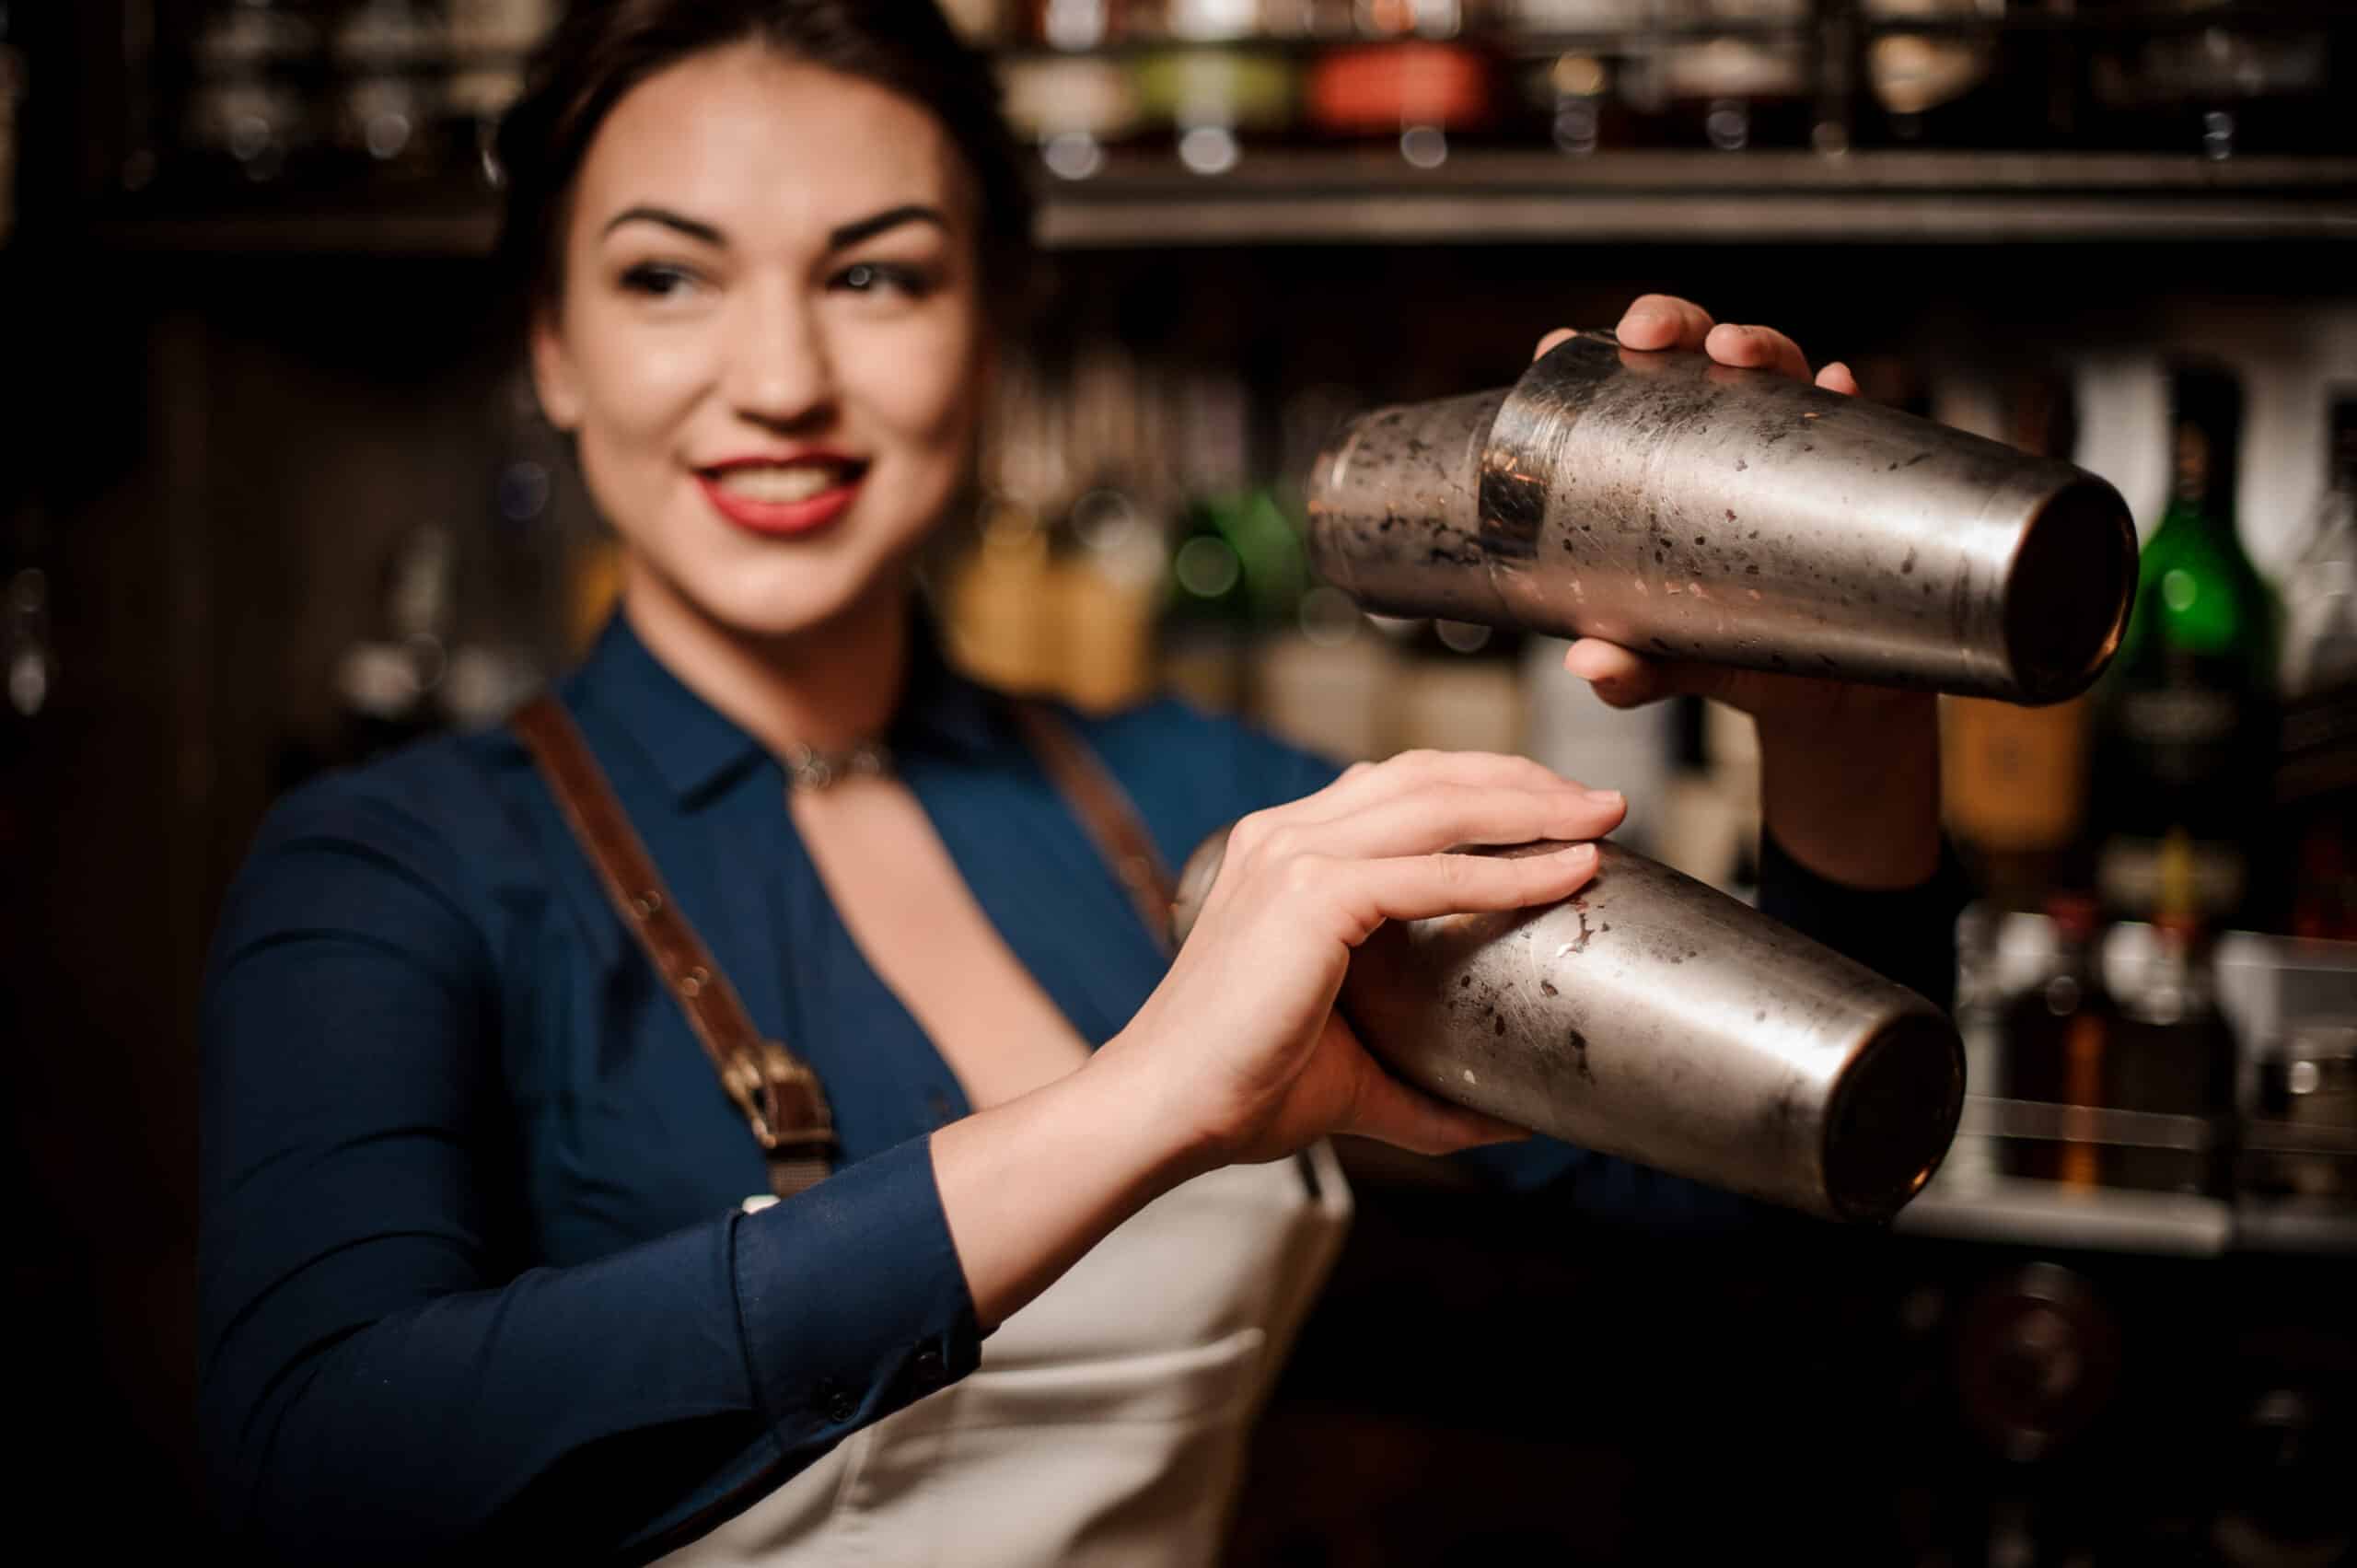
(1654, 1017)
(1685, 508)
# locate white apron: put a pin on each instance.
(1108, 1420)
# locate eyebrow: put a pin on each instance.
(668, 219)
(838, 239)
(892, 218)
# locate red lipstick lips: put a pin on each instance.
(783, 507)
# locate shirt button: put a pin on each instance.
(838, 1404)
(926, 1368)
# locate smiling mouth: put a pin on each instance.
(783, 485)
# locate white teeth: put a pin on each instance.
(782, 486)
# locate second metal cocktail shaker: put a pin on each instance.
(1686, 508)
(1652, 1017)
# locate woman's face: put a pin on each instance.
(769, 340)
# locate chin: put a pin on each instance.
(790, 598)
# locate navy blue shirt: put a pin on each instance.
(473, 1265)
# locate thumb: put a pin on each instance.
(1622, 678)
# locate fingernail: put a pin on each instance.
(1645, 313)
(1605, 796)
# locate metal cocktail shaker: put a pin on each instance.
(1679, 507)
(1652, 1017)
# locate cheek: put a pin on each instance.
(639, 382)
(922, 383)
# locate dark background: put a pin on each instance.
(215, 433)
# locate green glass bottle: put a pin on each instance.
(2187, 716)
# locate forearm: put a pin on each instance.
(1029, 1185)
(1858, 804)
(1852, 852)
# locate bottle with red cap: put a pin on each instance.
(1413, 74)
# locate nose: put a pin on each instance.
(780, 374)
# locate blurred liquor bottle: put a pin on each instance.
(1571, 729)
(1075, 25)
(1457, 687)
(247, 120)
(1109, 550)
(1953, 74)
(1222, 586)
(1414, 75)
(389, 683)
(490, 42)
(1325, 681)
(2217, 89)
(1058, 590)
(2176, 1054)
(1739, 74)
(2057, 1040)
(2315, 781)
(2186, 720)
(393, 65)
(2015, 778)
(982, 23)
(1076, 108)
(1217, 84)
(1584, 97)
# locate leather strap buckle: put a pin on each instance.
(781, 1099)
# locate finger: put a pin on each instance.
(1408, 1117)
(1355, 791)
(1662, 320)
(1836, 377)
(1423, 886)
(1621, 678)
(1444, 816)
(1758, 348)
(1545, 344)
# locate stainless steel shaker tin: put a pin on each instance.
(1654, 1017)
(1686, 508)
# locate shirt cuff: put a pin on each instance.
(851, 1298)
(1907, 934)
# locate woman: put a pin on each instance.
(479, 1269)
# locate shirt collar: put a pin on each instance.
(694, 747)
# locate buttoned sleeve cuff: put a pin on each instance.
(1908, 935)
(851, 1298)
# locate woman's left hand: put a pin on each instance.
(1849, 774)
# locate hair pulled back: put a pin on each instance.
(600, 49)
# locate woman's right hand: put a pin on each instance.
(1240, 1049)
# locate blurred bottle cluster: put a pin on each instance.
(2158, 985)
(1209, 78)
(333, 94)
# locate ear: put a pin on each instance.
(553, 377)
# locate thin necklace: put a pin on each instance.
(806, 767)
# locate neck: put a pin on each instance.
(827, 686)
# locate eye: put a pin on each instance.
(876, 277)
(657, 280)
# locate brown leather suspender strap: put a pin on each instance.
(780, 1096)
(1105, 809)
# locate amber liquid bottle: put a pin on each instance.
(2059, 1036)
(2175, 1054)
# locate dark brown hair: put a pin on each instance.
(601, 48)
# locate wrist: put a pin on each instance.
(1856, 800)
(1131, 1093)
